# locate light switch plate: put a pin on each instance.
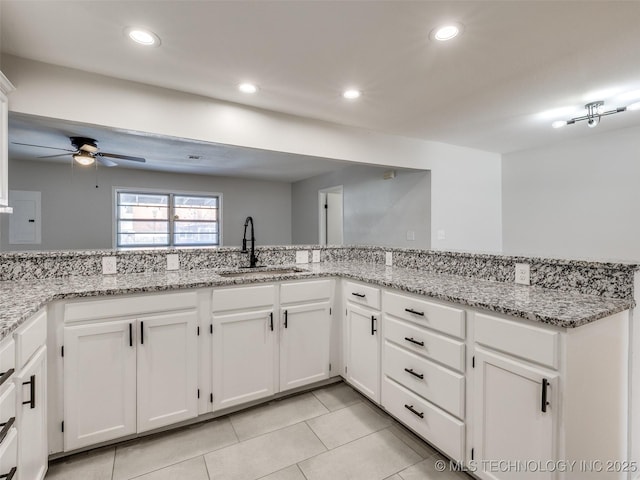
(388, 259)
(523, 274)
(316, 256)
(109, 266)
(173, 261)
(302, 256)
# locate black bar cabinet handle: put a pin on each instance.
(141, 333)
(286, 318)
(5, 428)
(373, 328)
(415, 342)
(4, 376)
(361, 295)
(414, 411)
(10, 475)
(419, 375)
(411, 310)
(271, 320)
(545, 384)
(32, 392)
(131, 334)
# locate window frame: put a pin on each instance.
(172, 194)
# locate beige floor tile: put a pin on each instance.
(265, 454)
(348, 424)
(421, 447)
(276, 415)
(394, 477)
(157, 452)
(374, 457)
(96, 465)
(193, 469)
(430, 470)
(289, 473)
(337, 396)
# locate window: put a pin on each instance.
(153, 219)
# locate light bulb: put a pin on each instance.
(142, 36)
(634, 106)
(559, 124)
(84, 159)
(593, 122)
(351, 94)
(247, 88)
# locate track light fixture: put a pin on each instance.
(595, 111)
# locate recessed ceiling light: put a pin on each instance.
(351, 94)
(446, 32)
(247, 88)
(142, 36)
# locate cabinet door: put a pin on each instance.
(31, 418)
(244, 357)
(509, 423)
(99, 382)
(167, 369)
(4, 145)
(304, 345)
(363, 351)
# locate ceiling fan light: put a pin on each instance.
(84, 159)
(634, 106)
(559, 124)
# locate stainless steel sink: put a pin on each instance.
(259, 272)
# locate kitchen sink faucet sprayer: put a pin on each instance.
(253, 258)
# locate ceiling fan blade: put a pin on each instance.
(106, 163)
(56, 155)
(122, 157)
(43, 146)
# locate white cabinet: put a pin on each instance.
(128, 375)
(362, 339)
(516, 414)
(5, 89)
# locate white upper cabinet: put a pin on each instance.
(5, 89)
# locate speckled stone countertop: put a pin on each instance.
(20, 299)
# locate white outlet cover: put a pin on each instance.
(315, 256)
(523, 274)
(442, 235)
(109, 266)
(173, 261)
(411, 235)
(388, 259)
(302, 256)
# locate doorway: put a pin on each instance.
(331, 213)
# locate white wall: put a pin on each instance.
(77, 215)
(578, 198)
(465, 182)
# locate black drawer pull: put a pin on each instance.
(131, 334)
(415, 342)
(10, 475)
(545, 384)
(411, 310)
(373, 326)
(5, 428)
(361, 295)
(410, 370)
(286, 319)
(141, 333)
(412, 410)
(271, 320)
(32, 392)
(4, 376)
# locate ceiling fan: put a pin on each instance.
(86, 152)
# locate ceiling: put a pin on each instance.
(487, 89)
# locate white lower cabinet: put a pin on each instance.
(129, 375)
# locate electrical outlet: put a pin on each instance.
(442, 235)
(109, 266)
(523, 274)
(388, 259)
(173, 261)
(316, 256)
(302, 256)
(411, 235)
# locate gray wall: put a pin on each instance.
(376, 211)
(77, 215)
(579, 198)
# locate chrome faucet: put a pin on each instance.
(253, 258)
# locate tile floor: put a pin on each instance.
(332, 433)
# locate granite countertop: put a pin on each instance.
(20, 299)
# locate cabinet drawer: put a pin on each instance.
(362, 294)
(427, 420)
(533, 343)
(30, 337)
(243, 297)
(129, 306)
(305, 291)
(425, 342)
(7, 359)
(443, 318)
(9, 452)
(435, 383)
(8, 403)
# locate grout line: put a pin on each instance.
(233, 429)
(113, 465)
(316, 435)
(206, 468)
(301, 472)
